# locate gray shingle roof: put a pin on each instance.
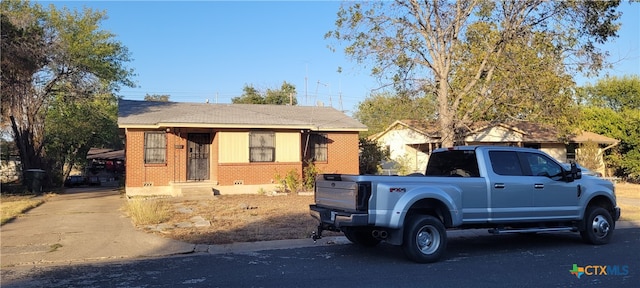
(132, 113)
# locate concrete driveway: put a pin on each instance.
(83, 224)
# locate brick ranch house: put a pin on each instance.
(411, 141)
(183, 149)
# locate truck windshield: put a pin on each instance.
(455, 163)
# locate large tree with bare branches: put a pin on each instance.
(481, 59)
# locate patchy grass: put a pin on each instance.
(244, 218)
(629, 212)
(149, 211)
(247, 218)
(54, 247)
(13, 206)
(628, 190)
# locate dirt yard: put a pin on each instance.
(241, 218)
(248, 218)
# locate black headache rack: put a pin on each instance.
(332, 220)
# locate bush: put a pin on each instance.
(290, 182)
(309, 176)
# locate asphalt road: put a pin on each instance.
(542, 260)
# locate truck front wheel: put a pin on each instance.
(598, 226)
(425, 239)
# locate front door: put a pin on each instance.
(198, 156)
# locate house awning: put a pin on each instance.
(105, 154)
(586, 136)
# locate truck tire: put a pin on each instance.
(425, 239)
(361, 236)
(598, 226)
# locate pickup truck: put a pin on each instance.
(504, 189)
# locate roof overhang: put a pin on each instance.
(237, 126)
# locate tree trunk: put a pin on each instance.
(446, 114)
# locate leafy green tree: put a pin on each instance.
(283, 96)
(624, 126)
(529, 84)
(425, 45)
(156, 97)
(610, 108)
(75, 127)
(380, 110)
(616, 93)
(50, 56)
(250, 95)
(371, 154)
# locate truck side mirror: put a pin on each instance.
(575, 172)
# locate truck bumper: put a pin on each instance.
(336, 219)
(617, 214)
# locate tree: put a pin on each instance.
(156, 97)
(371, 154)
(284, 96)
(75, 127)
(381, 110)
(616, 93)
(53, 56)
(425, 45)
(611, 107)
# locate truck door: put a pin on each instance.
(511, 196)
(553, 197)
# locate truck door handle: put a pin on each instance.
(499, 185)
(538, 186)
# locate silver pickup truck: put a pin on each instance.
(504, 189)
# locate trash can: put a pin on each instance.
(34, 180)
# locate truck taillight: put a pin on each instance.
(364, 193)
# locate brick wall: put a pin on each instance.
(342, 158)
(342, 154)
(255, 173)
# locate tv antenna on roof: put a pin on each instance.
(325, 85)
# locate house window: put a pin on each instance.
(318, 147)
(155, 147)
(262, 147)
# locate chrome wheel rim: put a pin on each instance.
(600, 226)
(428, 239)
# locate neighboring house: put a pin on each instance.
(176, 148)
(410, 142)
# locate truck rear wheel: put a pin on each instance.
(361, 236)
(425, 239)
(598, 226)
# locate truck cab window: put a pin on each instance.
(543, 166)
(458, 163)
(505, 163)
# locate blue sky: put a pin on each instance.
(208, 50)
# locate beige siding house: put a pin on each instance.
(410, 142)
